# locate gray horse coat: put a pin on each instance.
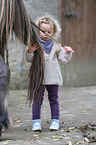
(4, 87)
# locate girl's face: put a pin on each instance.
(48, 29)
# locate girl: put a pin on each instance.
(52, 74)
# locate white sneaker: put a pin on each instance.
(55, 124)
(36, 125)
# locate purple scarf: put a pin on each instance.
(47, 45)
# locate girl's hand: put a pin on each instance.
(31, 49)
(68, 49)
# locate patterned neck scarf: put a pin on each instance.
(47, 45)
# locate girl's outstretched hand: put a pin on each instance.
(32, 48)
(68, 49)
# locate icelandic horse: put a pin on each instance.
(15, 19)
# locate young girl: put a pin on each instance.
(52, 73)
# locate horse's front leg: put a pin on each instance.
(4, 90)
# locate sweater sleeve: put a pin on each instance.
(64, 56)
(29, 56)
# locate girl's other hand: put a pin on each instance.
(68, 49)
(32, 48)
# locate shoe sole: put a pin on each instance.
(40, 130)
(54, 129)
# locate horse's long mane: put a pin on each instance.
(14, 18)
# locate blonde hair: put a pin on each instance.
(50, 20)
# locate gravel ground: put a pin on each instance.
(77, 121)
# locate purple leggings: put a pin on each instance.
(53, 99)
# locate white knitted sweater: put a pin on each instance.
(52, 69)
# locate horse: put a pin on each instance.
(15, 19)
